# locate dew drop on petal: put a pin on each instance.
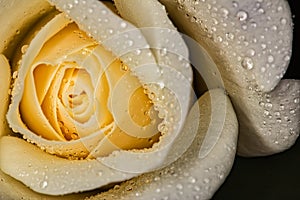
(247, 63)
(242, 15)
(270, 58)
(251, 52)
(206, 180)
(229, 36)
(235, 4)
(24, 49)
(179, 186)
(123, 25)
(43, 184)
(283, 21)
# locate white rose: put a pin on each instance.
(110, 135)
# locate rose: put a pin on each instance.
(41, 59)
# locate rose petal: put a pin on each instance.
(18, 24)
(191, 176)
(20, 191)
(277, 117)
(251, 45)
(5, 77)
(48, 174)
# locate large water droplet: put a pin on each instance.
(242, 15)
(247, 63)
(283, 21)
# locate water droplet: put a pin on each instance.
(163, 51)
(24, 49)
(196, 188)
(179, 186)
(283, 21)
(242, 15)
(124, 67)
(277, 114)
(224, 12)
(100, 173)
(261, 11)
(15, 74)
(221, 176)
(192, 180)
(268, 105)
(103, 12)
(138, 52)
(129, 43)
(244, 27)
(270, 58)
(251, 52)
(247, 63)
(43, 184)
(110, 31)
(296, 100)
(123, 24)
(229, 36)
(206, 180)
(263, 69)
(235, 4)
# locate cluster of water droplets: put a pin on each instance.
(187, 178)
(280, 113)
(241, 30)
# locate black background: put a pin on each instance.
(272, 177)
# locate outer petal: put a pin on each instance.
(20, 21)
(251, 44)
(5, 78)
(192, 176)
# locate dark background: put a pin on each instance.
(273, 177)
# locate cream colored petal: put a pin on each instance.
(48, 174)
(191, 176)
(251, 45)
(280, 125)
(18, 25)
(20, 191)
(5, 78)
(166, 42)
